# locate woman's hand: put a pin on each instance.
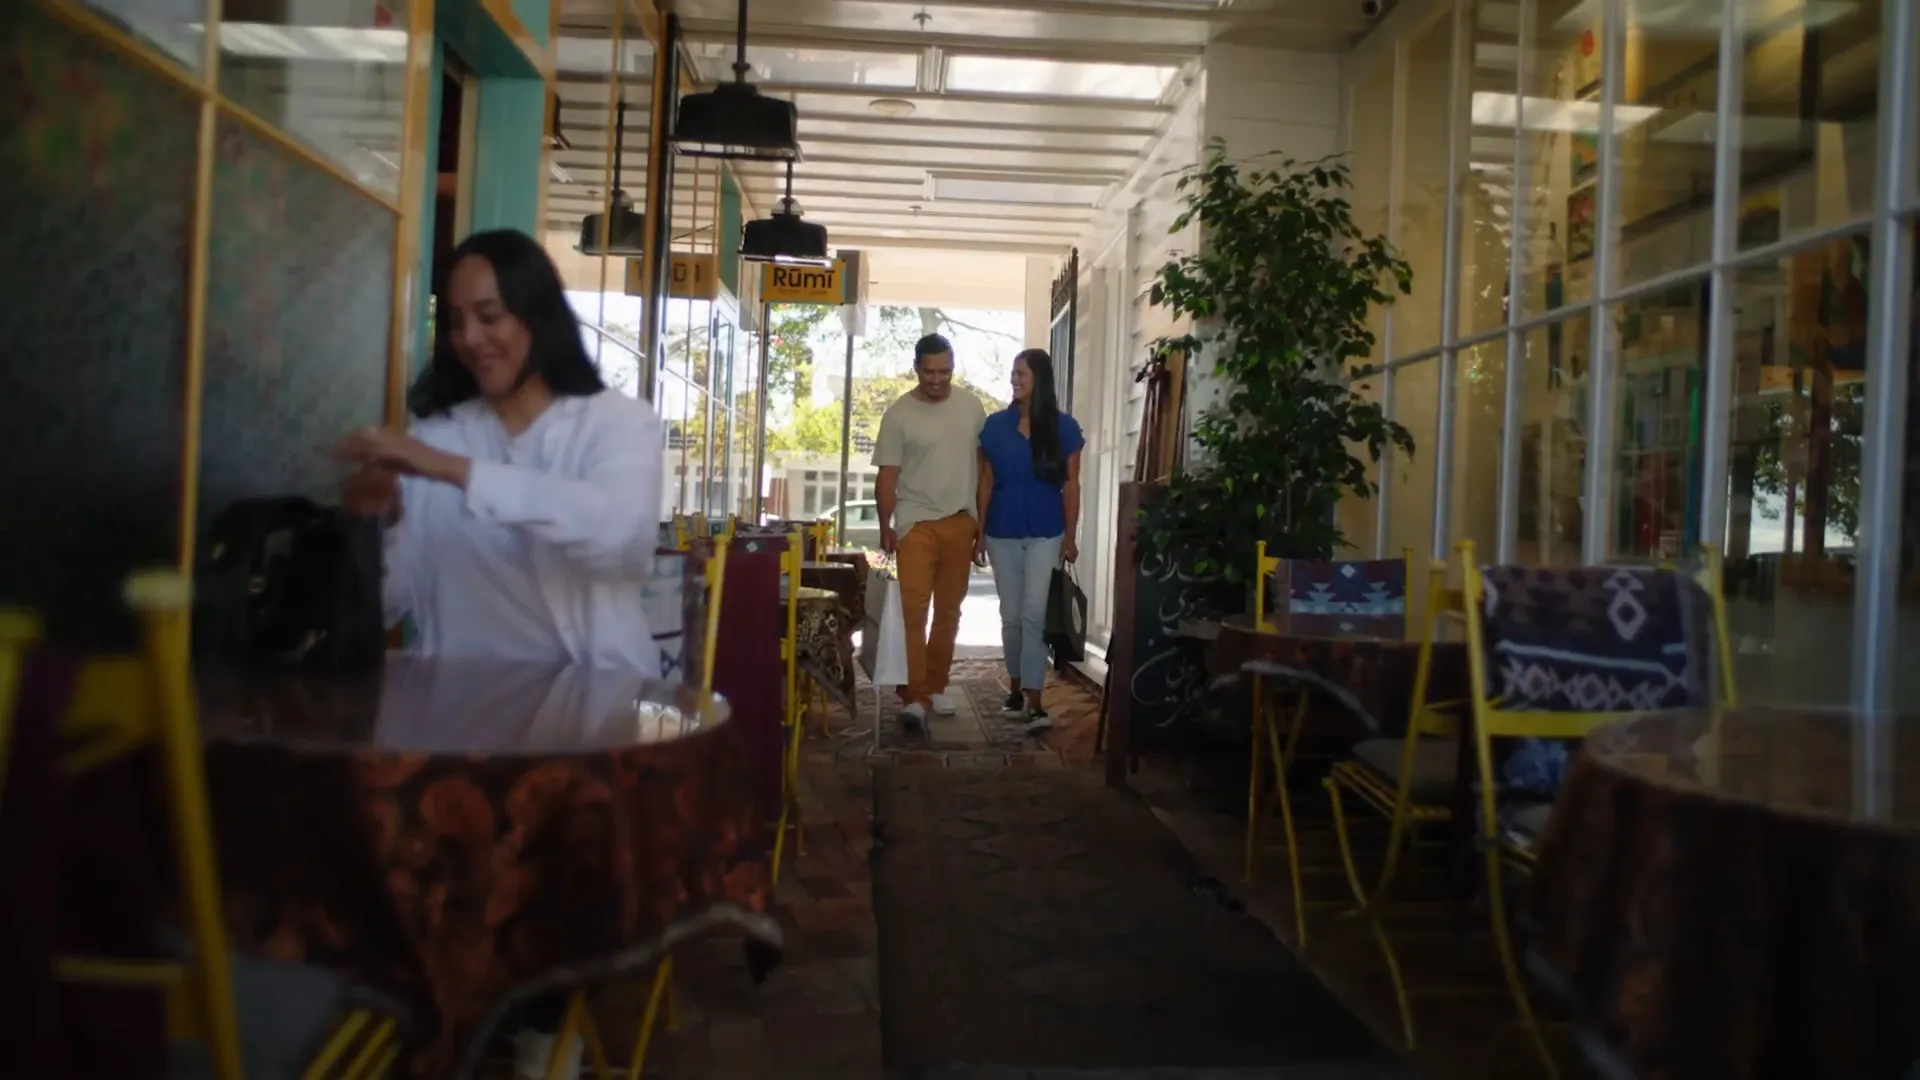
(980, 551)
(399, 452)
(372, 491)
(1069, 551)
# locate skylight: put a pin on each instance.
(1058, 78)
(811, 67)
(997, 188)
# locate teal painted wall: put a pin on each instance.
(472, 34)
(729, 232)
(509, 128)
(506, 161)
(534, 15)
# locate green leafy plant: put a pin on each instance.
(1278, 296)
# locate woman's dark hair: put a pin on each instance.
(1043, 418)
(531, 289)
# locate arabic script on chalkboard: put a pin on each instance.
(1169, 675)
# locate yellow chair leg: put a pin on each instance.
(1369, 911)
(1285, 799)
(660, 992)
(1516, 985)
(673, 999)
(579, 1024)
(789, 804)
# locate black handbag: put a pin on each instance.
(288, 585)
(1066, 632)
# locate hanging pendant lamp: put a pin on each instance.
(735, 120)
(782, 237)
(626, 233)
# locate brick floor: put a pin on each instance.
(1464, 1020)
(817, 1014)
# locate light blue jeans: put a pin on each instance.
(1022, 573)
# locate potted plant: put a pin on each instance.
(1277, 298)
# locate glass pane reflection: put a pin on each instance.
(1560, 183)
(1553, 443)
(333, 77)
(1793, 499)
(1656, 468)
(1809, 110)
(175, 27)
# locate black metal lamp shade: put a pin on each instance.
(784, 237)
(627, 234)
(735, 120)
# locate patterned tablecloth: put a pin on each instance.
(466, 834)
(826, 642)
(1737, 895)
(856, 600)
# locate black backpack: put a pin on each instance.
(288, 585)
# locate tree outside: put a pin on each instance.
(806, 367)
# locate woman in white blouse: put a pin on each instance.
(523, 503)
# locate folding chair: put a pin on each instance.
(1533, 672)
(229, 1016)
(1409, 781)
(578, 1020)
(790, 568)
(1339, 594)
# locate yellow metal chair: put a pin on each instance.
(578, 1020)
(1510, 845)
(19, 633)
(1408, 781)
(123, 704)
(1278, 750)
(795, 710)
(1266, 751)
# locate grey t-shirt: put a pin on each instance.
(935, 445)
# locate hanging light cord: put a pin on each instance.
(740, 46)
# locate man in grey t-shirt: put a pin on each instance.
(928, 457)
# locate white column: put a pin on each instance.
(1039, 303)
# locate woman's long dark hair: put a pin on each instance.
(1043, 418)
(531, 289)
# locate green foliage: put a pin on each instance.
(791, 368)
(1279, 296)
(790, 354)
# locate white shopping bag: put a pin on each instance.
(883, 633)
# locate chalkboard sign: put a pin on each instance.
(1155, 681)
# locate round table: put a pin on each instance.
(1365, 663)
(1737, 894)
(825, 635)
(468, 834)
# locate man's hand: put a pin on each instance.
(980, 552)
(889, 543)
(1069, 551)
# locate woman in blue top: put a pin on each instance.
(1030, 505)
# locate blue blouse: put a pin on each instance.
(1022, 504)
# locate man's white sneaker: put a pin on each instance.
(533, 1052)
(914, 716)
(943, 705)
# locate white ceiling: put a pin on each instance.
(1001, 124)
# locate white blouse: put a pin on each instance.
(546, 553)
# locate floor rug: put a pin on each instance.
(1035, 918)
